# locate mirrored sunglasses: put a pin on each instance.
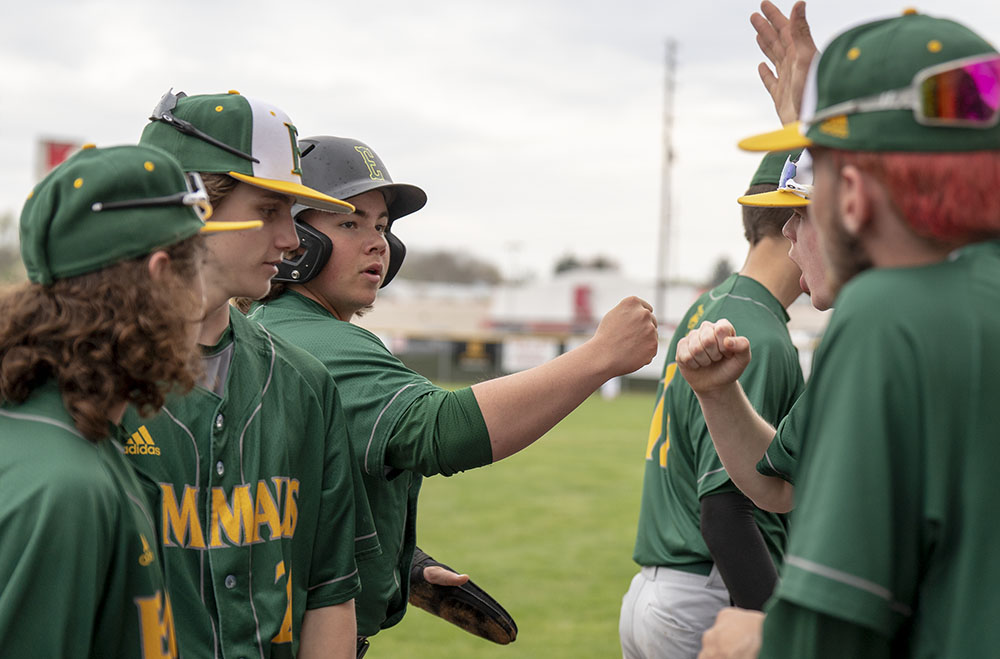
(962, 93)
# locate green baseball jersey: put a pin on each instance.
(255, 495)
(80, 570)
(898, 465)
(781, 457)
(403, 428)
(682, 466)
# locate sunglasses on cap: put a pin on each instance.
(787, 182)
(164, 112)
(196, 198)
(964, 92)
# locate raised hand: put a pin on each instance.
(788, 44)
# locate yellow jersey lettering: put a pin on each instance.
(284, 634)
(156, 627)
(266, 512)
(657, 427)
(181, 523)
(291, 517)
(235, 520)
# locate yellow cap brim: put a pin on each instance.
(774, 199)
(302, 194)
(215, 227)
(789, 137)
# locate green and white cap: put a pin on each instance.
(102, 206)
(913, 83)
(250, 140)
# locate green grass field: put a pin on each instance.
(548, 532)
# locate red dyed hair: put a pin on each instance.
(953, 197)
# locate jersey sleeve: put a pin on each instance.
(856, 542)
(442, 432)
(781, 458)
(345, 527)
(57, 528)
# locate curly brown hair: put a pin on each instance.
(105, 337)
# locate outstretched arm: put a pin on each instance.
(788, 44)
(520, 408)
(711, 359)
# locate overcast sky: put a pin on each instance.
(534, 127)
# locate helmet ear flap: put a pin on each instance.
(314, 251)
(397, 252)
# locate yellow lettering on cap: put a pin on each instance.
(934, 46)
(836, 126)
(149, 166)
(854, 53)
(78, 183)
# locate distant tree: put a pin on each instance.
(571, 262)
(449, 267)
(723, 268)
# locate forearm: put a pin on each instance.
(521, 407)
(329, 632)
(741, 436)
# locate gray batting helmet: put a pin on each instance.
(350, 168)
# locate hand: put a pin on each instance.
(627, 335)
(440, 576)
(735, 635)
(712, 356)
(789, 45)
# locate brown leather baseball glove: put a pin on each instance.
(467, 606)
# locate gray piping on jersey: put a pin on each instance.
(709, 473)
(849, 579)
(379, 418)
(335, 580)
(747, 299)
(263, 392)
(365, 537)
(42, 419)
(145, 513)
(201, 554)
(771, 465)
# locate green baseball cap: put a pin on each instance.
(911, 83)
(247, 139)
(791, 172)
(102, 206)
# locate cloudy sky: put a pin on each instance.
(534, 126)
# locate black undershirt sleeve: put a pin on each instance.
(738, 548)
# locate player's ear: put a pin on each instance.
(854, 199)
(159, 265)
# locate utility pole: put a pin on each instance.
(663, 245)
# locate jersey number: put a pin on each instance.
(657, 427)
(284, 634)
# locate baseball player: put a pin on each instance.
(253, 472)
(891, 552)
(110, 243)
(404, 427)
(701, 543)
